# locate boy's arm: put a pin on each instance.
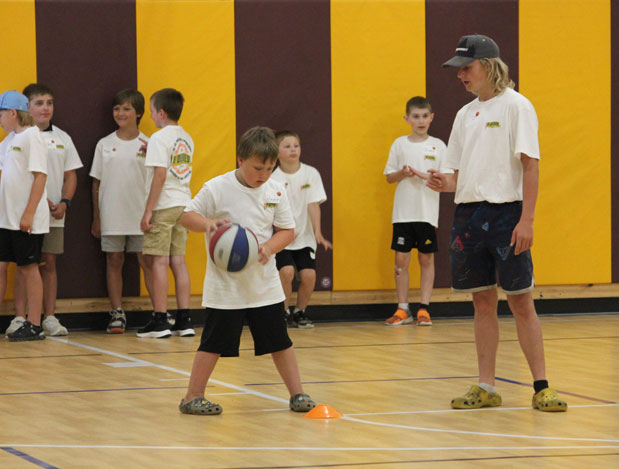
(68, 191)
(280, 239)
(153, 195)
(36, 192)
(95, 229)
(442, 182)
(193, 221)
(314, 215)
(522, 236)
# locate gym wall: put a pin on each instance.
(339, 73)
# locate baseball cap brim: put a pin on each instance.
(458, 61)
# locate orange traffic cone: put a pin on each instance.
(323, 412)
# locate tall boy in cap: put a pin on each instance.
(24, 215)
(494, 150)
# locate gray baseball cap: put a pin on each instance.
(473, 47)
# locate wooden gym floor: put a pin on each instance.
(93, 400)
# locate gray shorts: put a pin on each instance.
(53, 242)
(121, 243)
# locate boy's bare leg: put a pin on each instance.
(147, 267)
(114, 277)
(34, 292)
(426, 265)
(286, 274)
(160, 283)
(19, 292)
(203, 365)
(50, 282)
(402, 259)
(286, 364)
(529, 332)
(306, 287)
(182, 284)
(486, 333)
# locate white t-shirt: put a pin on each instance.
(259, 209)
(303, 188)
(4, 146)
(61, 156)
(485, 146)
(25, 154)
(171, 148)
(414, 201)
(119, 165)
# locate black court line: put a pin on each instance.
(422, 461)
(53, 356)
(27, 457)
(558, 390)
(93, 390)
(369, 380)
(299, 347)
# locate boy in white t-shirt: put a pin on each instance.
(24, 213)
(168, 172)
(62, 162)
(415, 208)
(246, 196)
(119, 196)
(494, 150)
(305, 190)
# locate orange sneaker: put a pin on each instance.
(423, 317)
(399, 318)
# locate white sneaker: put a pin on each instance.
(52, 327)
(15, 324)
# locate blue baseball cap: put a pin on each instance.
(13, 100)
(475, 46)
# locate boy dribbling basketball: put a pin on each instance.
(245, 195)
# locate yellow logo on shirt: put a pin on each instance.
(269, 205)
(305, 186)
(430, 157)
(493, 124)
(59, 146)
(180, 161)
(17, 149)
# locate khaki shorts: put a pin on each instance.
(167, 237)
(121, 243)
(53, 242)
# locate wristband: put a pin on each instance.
(66, 201)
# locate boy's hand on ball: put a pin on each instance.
(264, 253)
(210, 225)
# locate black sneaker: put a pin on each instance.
(157, 328)
(302, 321)
(27, 331)
(182, 326)
(289, 317)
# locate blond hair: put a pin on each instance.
(498, 74)
(24, 119)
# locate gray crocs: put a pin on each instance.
(199, 406)
(301, 403)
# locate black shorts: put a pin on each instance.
(300, 258)
(20, 247)
(416, 234)
(223, 327)
(479, 249)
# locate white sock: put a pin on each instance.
(296, 310)
(487, 388)
(404, 306)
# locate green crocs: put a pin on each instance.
(301, 403)
(547, 400)
(477, 398)
(199, 406)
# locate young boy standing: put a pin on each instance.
(305, 190)
(62, 161)
(24, 213)
(118, 198)
(494, 150)
(246, 196)
(168, 172)
(415, 208)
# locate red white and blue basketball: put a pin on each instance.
(233, 247)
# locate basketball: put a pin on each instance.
(233, 247)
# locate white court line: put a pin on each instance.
(459, 411)
(308, 448)
(350, 419)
